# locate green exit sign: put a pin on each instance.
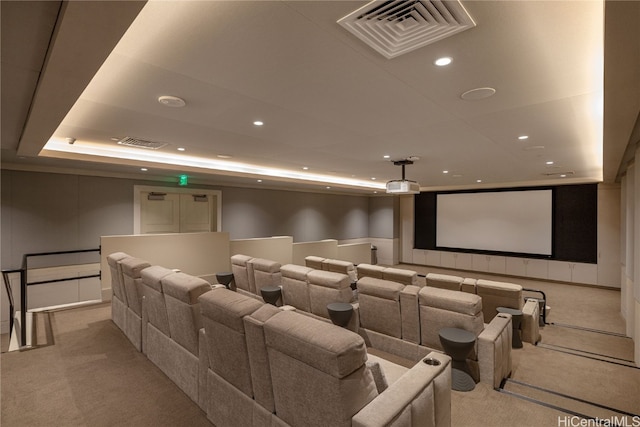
(183, 180)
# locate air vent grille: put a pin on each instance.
(396, 27)
(141, 143)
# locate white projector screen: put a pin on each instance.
(503, 221)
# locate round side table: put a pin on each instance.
(271, 294)
(516, 322)
(458, 343)
(225, 278)
(340, 313)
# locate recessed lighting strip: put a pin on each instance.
(210, 164)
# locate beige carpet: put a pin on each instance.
(90, 375)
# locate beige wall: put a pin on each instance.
(278, 248)
(198, 254)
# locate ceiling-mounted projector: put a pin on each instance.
(403, 186)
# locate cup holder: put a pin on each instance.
(431, 361)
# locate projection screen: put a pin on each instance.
(503, 221)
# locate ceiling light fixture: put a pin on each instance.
(258, 123)
(478, 93)
(549, 162)
(386, 156)
(181, 149)
(445, 171)
(441, 62)
(478, 180)
(523, 137)
(144, 169)
(171, 101)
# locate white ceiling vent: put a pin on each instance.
(396, 27)
(141, 143)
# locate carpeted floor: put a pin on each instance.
(91, 375)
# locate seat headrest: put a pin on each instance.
(266, 265)
(133, 266)
(445, 299)
(112, 259)
(491, 287)
(380, 288)
(228, 308)
(151, 276)
(184, 287)
(240, 259)
(330, 349)
(328, 279)
(294, 271)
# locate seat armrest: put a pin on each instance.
(530, 322)
(494, 350)
(420, 397)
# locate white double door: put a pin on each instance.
(173, 212)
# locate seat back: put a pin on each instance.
(337, 383)
(222, 315)
(400, 275)
(338, 266)
(444, 281)
(240, 270)
(379, 302)
(132, 281)
(326, 287)
(498, 294)
(442, 308)
(117, 281)
(369, 270)
(295, 287)
(181, 292)
(154, 297)
(314, 262)
(265, 273)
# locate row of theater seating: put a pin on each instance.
(494, 294)
(390, 311)
(247, 363)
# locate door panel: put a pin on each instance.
(159, 213)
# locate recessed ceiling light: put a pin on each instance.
(171, 101)
(563, 176)
(259, 180)
(305, 168)
(115, 139)
(386, 156)
(441, 62)
(328, 188)
(181, 149)
(223, 156)
(258, 123)
(144, 169)
(549, 162)
(478, 180)
(445, 171)
(373, 178)
(478, 93)
(523, 137)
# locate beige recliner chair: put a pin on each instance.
(326, 287)
(442, 308)
(295, 287)
(179, 359)
(230, 393)
(502, 294)
(339, 388)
